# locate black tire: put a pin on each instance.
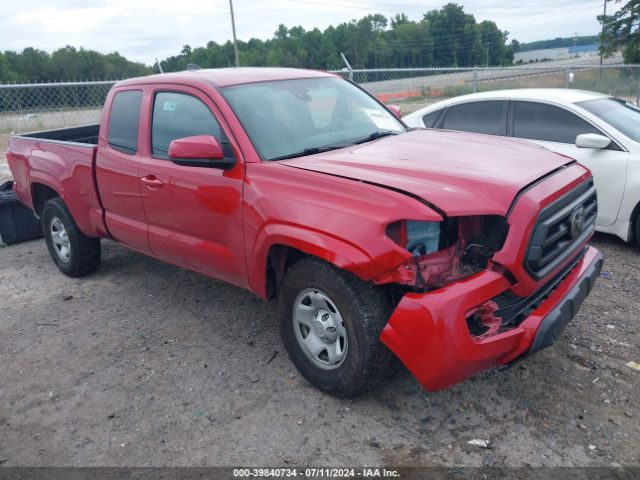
(83, 252)
(637, 229)
(364, 309)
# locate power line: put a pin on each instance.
(311, 2)
(457, 39)
(357, 4)
(395, 10)
(555, 3)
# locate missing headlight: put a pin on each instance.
(447, 251)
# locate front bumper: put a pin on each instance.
(429, 333)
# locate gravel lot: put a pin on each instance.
(144, 364)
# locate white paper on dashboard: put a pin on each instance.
(382, 120)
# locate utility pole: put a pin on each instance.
(604, 19)
(346, 62)
(233, 28)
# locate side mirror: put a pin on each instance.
(199, 151)
(592, 140)
(395, 109)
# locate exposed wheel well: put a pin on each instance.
(279, 259)
(41, 194)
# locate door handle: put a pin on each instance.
(151, 181)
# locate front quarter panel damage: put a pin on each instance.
(339, 220)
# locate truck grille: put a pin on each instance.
(560, 229)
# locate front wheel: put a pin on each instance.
(330, 322)
(74, 253)
(637, 229)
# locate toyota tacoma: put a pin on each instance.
(453, 252)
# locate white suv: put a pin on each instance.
(600, 131)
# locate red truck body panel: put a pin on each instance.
(224, 77)
(428, 332)
(443, 167)
(66, 168)
(315, 213)
(522, 220)
(335, 206)
(193, 219)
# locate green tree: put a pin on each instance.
(399, 19)
(446, 26)
(494, 42)
(621, 31)
(446, 37)
(33, 65)
(67, 63)
(7, 73)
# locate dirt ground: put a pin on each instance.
(143, 364)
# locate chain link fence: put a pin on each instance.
(413, 88)
(42, 106)
(32, 107)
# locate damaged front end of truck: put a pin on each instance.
(445, 252)
(467, 298)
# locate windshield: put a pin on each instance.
(623, 116)
(299, 117)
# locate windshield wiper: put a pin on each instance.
(375, 135)
(308, 151)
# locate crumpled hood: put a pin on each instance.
(460, 173)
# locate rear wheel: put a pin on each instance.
(637, 229)
(74, 253)
(330, 322)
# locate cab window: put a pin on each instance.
(179, 115)
(123, 121)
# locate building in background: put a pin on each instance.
(556, 53)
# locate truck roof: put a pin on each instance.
(223, 77)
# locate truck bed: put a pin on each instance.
(60, 161)
(87, 134)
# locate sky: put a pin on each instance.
(143, 30)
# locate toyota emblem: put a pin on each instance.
(576, 221)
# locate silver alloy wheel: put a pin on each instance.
(319, 329)
(60, 239)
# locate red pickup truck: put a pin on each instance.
(456, 252)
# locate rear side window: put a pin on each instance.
(178, 115)
(429, 119)
(123, 121)
(488, 117)
(539, 121)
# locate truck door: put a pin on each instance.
(117, 170)
(194, 213)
